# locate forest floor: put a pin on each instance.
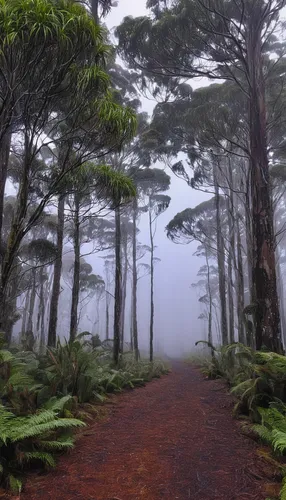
(176, 438)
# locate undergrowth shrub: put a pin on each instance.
(40, 396)
(34, 438)
(258, 380)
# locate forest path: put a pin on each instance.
(173, 439)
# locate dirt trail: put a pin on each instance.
(173, 439)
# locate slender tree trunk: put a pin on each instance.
(118, 288)
(221, 263)
(41, 312)
(210, 318)
(134, 280)
(124, 290)
(25, 312)
(53, 317)
(131, 324)
(240, 286)
(76, 271)
(95, 10)
(16, 232)
(106, 316)
(230, 277)
(151, 286)
(249, 248)
(41, 297)
(267, 317)
(4, 159)
(30, 326)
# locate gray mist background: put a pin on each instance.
(177, 326)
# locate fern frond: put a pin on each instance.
(283, 490)
(46, 458)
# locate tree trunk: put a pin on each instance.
(25, 312)
(267, 317)
(53, 317)
(134, 280)
(210, 319)
(221, 263)
(124, 289)
(41, 312)
(118, 289)
(151, 286)
(249, 247)
(131, 324)
(16, 232)
(230, 269)
(76, 271)
(106, 316)
(30, 326)
(240, 286)
(4, 158)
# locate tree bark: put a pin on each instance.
(76, 271)
(240, 286)
(267, 317)
(210, 319)
(124, 289)
(4, 158)
(53, 317)
(118, 289)
(230, 259)
(16, 232)
(106, 316)
(30, 325)
(151, 286)
(25, 312)
(134, 280)
(221, 263)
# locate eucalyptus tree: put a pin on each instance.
(230, 41)
(37, 254)
(152, 183)
(208, 285)
(71, 103)
(200, 224)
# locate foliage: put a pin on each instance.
(39, 396)
(33, 438)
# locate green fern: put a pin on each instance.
(32, 438)
(283, 490)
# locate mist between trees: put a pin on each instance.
(82, 165)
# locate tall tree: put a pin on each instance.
(229, 40)
(153, 182)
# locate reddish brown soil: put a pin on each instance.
(173, 439)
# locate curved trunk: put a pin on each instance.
(53, 317)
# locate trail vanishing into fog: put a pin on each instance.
(176, 438)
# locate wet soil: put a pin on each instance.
(176, 438)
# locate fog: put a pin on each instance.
(177, 326)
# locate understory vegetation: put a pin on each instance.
(42, 399)
(258, 381)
